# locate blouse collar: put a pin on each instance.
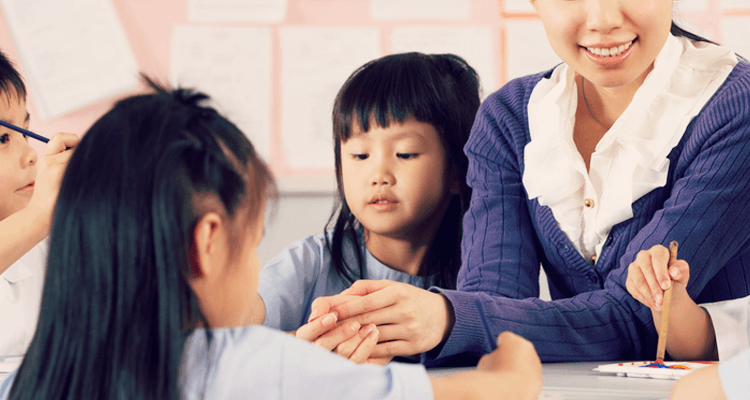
(631, 158)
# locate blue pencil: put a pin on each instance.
(24, 131)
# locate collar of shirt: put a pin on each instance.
(631, 159)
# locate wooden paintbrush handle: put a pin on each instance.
(664, 327)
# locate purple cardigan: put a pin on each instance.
(705, 206)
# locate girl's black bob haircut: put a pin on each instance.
(442, 90)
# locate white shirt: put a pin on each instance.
(731, 324)
(20, 298)
(631, 158)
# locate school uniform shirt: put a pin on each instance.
(263, 363)
(303, 272)
(665, 173)
(732, 328)
(20, 298)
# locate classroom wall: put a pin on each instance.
(279, 83)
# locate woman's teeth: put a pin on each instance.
(610, 51)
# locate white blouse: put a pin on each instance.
(631, 158)
(20, 298)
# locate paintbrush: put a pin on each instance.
(24, 131)
(662, 345)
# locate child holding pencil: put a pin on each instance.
(400, 123)
(153, 265)
(28, 189)
(711, 331)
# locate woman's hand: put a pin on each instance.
(410, 320)
(50, 170)
(649, 276)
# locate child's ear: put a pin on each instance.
(206, 252)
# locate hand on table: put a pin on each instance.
(348, 339)
(410, 320)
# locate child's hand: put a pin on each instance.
(648, 277)
(50, 169)
(347, 339)
(411, 320)
(517, 357)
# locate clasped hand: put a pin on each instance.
(373, 321)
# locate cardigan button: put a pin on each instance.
(589, 203)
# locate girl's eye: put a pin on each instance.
(360, 156)
(4, 138)
(406, 156)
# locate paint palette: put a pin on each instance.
(649, 369)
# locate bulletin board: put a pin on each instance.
(274, 66)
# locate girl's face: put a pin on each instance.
(610, 42)
(395, 179)
(17, 158)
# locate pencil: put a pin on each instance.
(662, 345)
(24, 131)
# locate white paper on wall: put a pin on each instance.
(734, 4)
(735, 32)
(315, 62)
(528, 50)
(237, 10)
(420, 9)
(518, 6)
(474, 44)
(233, 66)
(691, 5)
(74, 52)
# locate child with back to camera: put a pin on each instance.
(153, 266)
(28, 189)
(400, 123)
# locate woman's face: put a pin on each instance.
(611, 43)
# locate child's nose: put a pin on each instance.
(604, 16)
(382, 175)
(28, 155)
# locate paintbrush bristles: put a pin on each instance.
(664, 327)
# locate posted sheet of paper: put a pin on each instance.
(74, 52)
(518, 6)
(315, 62)
(420, 9)
(233, 66)
(528, 50)
(734, 34)
(237, 10)
(474, 44)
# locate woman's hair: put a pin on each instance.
(116, 307)
(441, 90)
(677, 31)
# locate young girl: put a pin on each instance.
(400, 123)
(711, 331)
(153, 265)
(638, 138)
(27, 197)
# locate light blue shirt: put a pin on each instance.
(303, 272)
(258, 362)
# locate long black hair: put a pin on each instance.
(442, 90)
(116, 307)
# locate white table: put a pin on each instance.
(578, 381)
